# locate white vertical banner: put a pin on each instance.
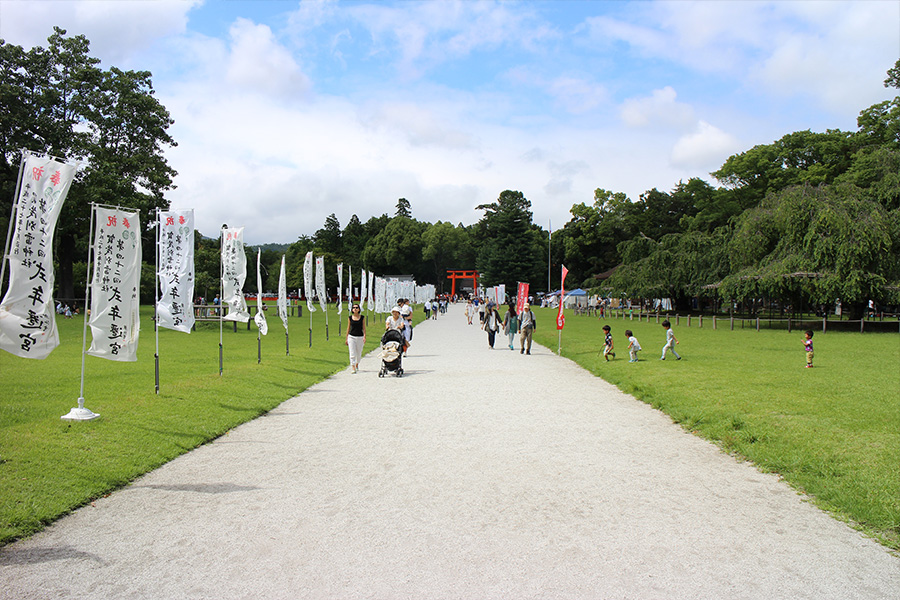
(260, 318)
(349, 288)
(27, 318)
(321, 292)
(282, 295)
(380, 300)
(234, 272)
(175, 309)
(371, 288)
(340, 298)
(115, 286)
(363, 290)
(308, 281)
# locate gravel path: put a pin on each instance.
(479, 474)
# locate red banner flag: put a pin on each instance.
(521, 297)
(560, 317)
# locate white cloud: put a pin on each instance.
(258, 62)
(658, 109)
(116, 30)
(706, 148)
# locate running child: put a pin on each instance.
(633, 346)
(608, 344)
(671, 340)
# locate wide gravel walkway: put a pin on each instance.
(479, 474)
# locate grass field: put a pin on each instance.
(832, 432)
(49, 466)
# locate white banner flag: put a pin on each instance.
(27, 320)
(308, 280)
(363, 290)
(371, 290)
(260, 317)
(234, 272)
(282, 296)
(115, 286)
(350, 289)
(380, 300)
(340, 298)
(321, 291)
(175, 309)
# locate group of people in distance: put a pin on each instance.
(634, 346)
(511, 323)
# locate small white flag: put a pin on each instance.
(234, 272)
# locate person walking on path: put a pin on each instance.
(491, 323)
(470, 311)
(511, 324)
(527, 325)
(671, 340)
(633, 346)
(356, 337)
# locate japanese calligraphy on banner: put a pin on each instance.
(377, 299)
(521, 297)
(234, 272)
(282, 295)
(321, 292)
(260, 317)
(371, 290)
(560, 317)
(27, 320)
(175, 309)
(308, 281)
(115, 320)
(363, 291)
(340, 298)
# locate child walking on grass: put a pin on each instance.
(608, 344)
(633, 346)
(808, 346)
(671, 340)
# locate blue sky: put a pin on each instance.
(288, 111)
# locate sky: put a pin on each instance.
(288, 111)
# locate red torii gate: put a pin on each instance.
(470, 274)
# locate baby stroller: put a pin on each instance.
(392, 352)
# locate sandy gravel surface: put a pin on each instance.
(479, 474)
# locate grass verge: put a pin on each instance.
(48, 466)
(832, 432)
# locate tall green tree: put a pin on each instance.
(442, 246)
(61, 103)
(512, 248)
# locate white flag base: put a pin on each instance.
(80, 413)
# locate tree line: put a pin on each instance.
(814, 216)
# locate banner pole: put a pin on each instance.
(12, 220)
(156, 304)
(81, 413)
(219, 308)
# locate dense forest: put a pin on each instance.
(814, 216)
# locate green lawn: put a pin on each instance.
(832, 431)
(49, 466)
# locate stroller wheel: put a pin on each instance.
(399, 372)
(381, 372)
